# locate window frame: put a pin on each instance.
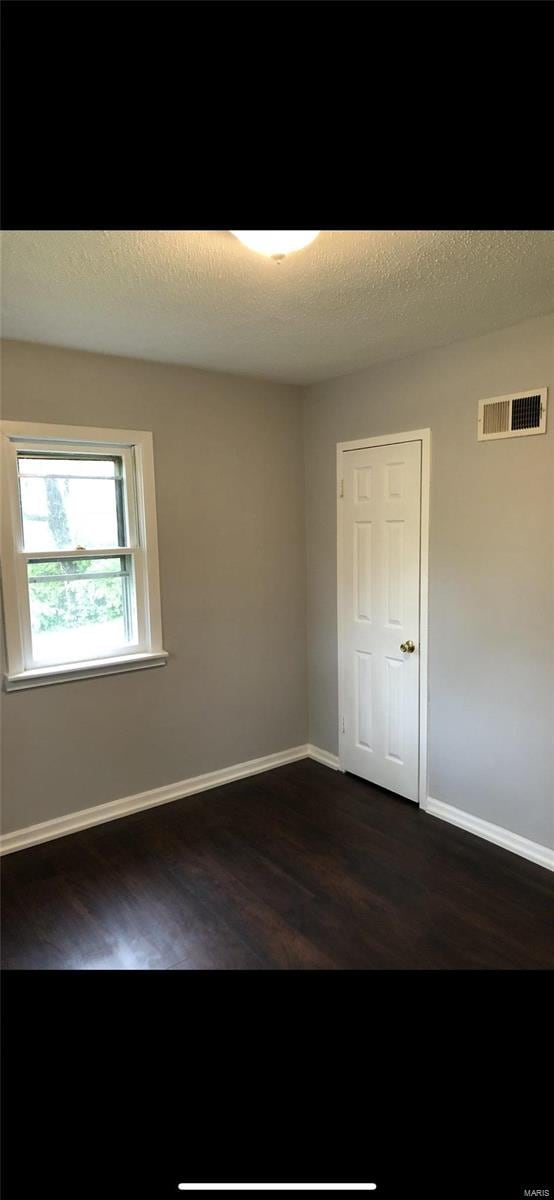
(135, 447)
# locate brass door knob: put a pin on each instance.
(407, 647)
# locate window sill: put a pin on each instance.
(66, 672)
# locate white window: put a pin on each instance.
(80, 576)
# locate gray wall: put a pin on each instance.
(491, 601)
(229, 485)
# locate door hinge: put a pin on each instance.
(341, 488)
(343, 726)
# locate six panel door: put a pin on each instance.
(380, 589)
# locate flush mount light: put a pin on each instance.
(275, 243)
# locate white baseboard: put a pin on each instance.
(323, 756)
(32, 835)
(492, 833)
(46, 831)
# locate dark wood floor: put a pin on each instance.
(301, 867)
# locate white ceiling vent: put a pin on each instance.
(512, 416)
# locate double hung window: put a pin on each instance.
(80, 560)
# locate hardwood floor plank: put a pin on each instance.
(299, 868)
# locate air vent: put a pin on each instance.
(512, 416)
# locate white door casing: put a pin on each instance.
(382, 565)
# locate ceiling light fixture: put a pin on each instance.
(275, 243)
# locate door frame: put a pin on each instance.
(424, 437)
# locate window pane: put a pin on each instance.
(41, 568)
(71, 502)
(103, 468)
(81, 608)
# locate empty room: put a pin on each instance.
(277, 600)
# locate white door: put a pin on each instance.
(379, 587)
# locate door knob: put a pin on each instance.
(407, 647)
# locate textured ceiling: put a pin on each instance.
(201, 298)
